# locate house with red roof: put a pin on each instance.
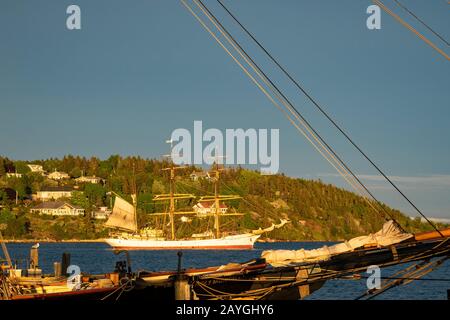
(209, 207)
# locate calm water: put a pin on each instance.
(99, 258)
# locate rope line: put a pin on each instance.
(422, 22)
(408, 26)
(316, 104)
(288, 104)
(333, 161)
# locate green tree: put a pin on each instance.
(16, 225)
(96, 194)
(80, 199)
(2, 167)
(3, 196)
(21, 167)
(93, 166)
(158, 187)
(21, 186)
(75, 172)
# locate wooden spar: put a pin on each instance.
(217, 203)
(178, 196)
(217, 199)
(134, 199)
(432, 235)
(5, 251)
(172, 196)
(172, 201)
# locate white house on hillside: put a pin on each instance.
(13, 175)
(101, 213)
(197, 175)
(56, 175)
(57, 208)
(208, 207)
(88, 179)
(36, 168)
(53, 193)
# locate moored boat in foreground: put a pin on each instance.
(277, 275)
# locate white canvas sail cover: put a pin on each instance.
(122, 216)
(388, 235)
(271, 228)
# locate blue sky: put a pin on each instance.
(138, 70)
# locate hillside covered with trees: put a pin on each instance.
(316, 211)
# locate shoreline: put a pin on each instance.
(102, 241)
(51, 241)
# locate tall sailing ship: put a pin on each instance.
(128, 236)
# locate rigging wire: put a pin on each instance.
(261, 87)
(412, 273)
(408, 26)
(292, 108)
(280, 96)
(276, 91)
(404, 278)
(421, 21)
(254, 205)
(316, 104)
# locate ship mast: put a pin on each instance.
(218, 198)
(171, 192)
(172, 201)
(172, 196)
(217, 202)
(134, 198)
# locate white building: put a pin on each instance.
(101, 213)
(56, 175)
(88, 179)
(53, 193)
(36, 168)
(13, 175)
(197, 175)
(208, 207)
(57, 208)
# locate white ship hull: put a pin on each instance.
(236, 242)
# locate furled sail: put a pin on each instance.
(271, 228)
(123, 216)
(388, 235)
